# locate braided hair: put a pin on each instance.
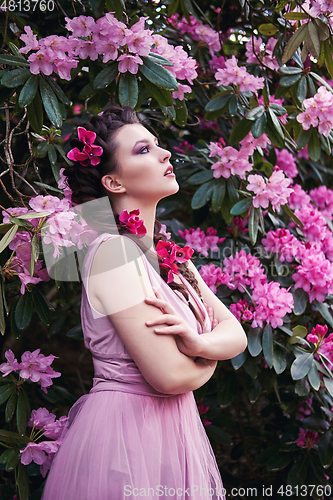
(85, 183)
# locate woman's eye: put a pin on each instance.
(145, 149)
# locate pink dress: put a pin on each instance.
(125, 439)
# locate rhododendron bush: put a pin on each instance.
(242, 94)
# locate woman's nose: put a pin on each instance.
(166, 155)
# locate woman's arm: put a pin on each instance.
(158, 358)
(228, 338)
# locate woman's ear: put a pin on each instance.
(111, 184)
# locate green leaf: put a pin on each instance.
(13, 60)
(202, 195)
(328, 57)
(162, 96)
(10, 407)
(35, 113)
(233, 105)
(254, 341)
(314, 147)
(5, 93)
(116, 6)
(239, 360)
(181, 112)
(312, 40)
(228, 388)
(288, 81)
(323, 308)
(105, 77)
(253, 225)
(172, 7)
(291, 214)
(218, 434)
(301, 366)
(75, 333)
(300, 301)
(329, 385)
(302, 89)
(267, 345)
(281, 5)
(157, 74)
(279, 360)
(21, 414)
(23, 311)
(200, 177)
(128, 90)
(42, 305)
(298, 331)
(293, 43)
(86, 92)
(325, 449)
(15, 77)
(295, 16)
(242, 206)
(298, 473)
(267, 29)
(58, 92)
(28, 91)
(22, 481)
(259, 126)
(255, 113)
(218, 102)
(10, 437)
(321, 81)
(159, 59)
(279, 461)
(6, 391)
(218, 195)
(51, 103)
(5, 240)
(290, 70)
(240, 131)
(2, 309)
(34, 253)
(303, 138)
(314, 377)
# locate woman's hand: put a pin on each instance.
(188, 340)
(213, 321)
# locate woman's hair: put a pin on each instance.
(85, 183)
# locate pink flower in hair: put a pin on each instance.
(171, 253)
(90, 151)
(132, 222)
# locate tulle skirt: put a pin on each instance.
(123, 445)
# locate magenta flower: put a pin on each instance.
(41, 61)
(132, 222)
(36, 367)
(40, 417)
(201, 243)
(53, 430)
(286, 162)
(232, 74)
(307, 439)
(33, 452)
(171, 253)
(211, 276)
(11, 365)
(272, 304)
(90, 152)
(30, 40)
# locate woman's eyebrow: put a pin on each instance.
(146, 140)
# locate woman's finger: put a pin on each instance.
(162, 304)
(215, 323)
(166, 318)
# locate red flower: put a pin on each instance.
(90, 153)
(170, 252)
(132, 222)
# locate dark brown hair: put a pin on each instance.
(85, 183)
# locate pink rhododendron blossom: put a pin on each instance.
(11, 365)
(304, 410)
(81, 25)
(40, 417)
(231, 161)
(197, 239)
(314, 224)
(37, 368)
(272, 304)
(232, 74)
(33, 452)
(298, 197)
(249, 144)
(303, 153)
(242, 270)
(242, 311)
(53, 430)
(315, 274)
(47, 203)
(202, 33)
(257, 51)
(307, 439)
(14, 211)
(30, 40)
(41, 62)
(128, 62)
(211, 276)
(286, 162)
(323, 199)
(62, 184)
(318, 112)
(276, 191)
(26, 279)
(283, 243)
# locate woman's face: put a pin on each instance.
(142, 165)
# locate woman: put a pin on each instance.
(138, 432)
